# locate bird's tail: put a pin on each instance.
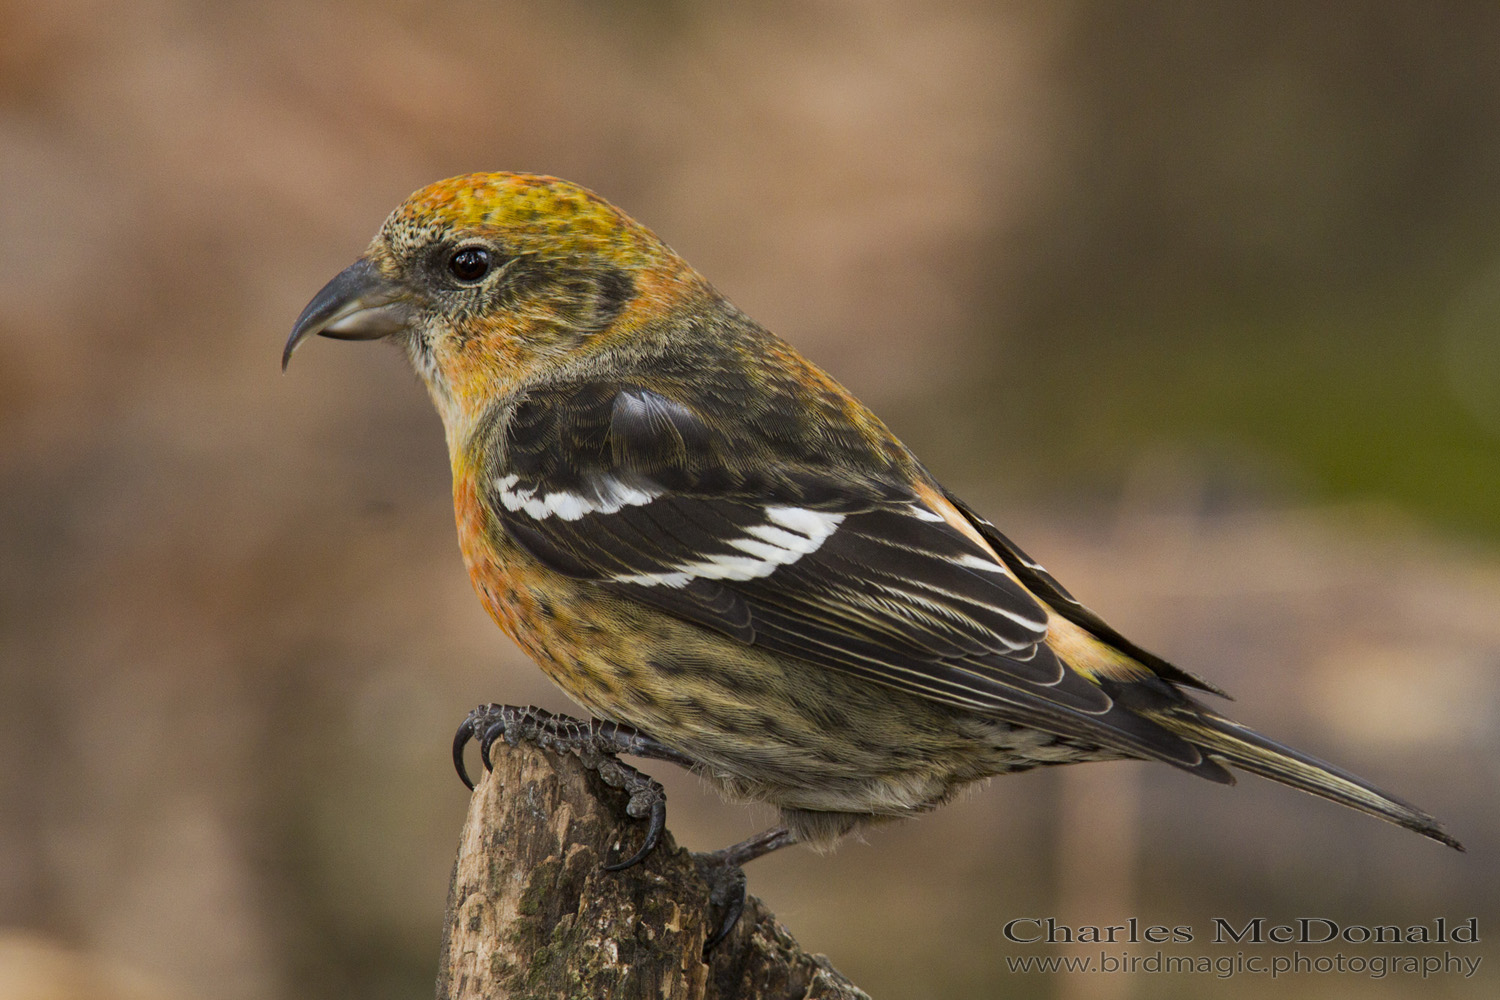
(1232, 743)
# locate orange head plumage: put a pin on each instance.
(486, 277)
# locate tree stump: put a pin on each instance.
(532, 913)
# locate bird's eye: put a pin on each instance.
(470, 264)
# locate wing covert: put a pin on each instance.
(845, 568)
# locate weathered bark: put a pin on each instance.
(532, 914)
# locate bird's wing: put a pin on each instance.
(848, 569)
(1046, 588)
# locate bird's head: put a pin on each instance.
(488, 277)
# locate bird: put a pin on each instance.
(727, 559)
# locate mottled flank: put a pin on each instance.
(698, 533)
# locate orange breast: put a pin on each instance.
(548, 616)
(498, 577)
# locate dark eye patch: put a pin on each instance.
(613, 291)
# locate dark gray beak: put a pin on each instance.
(359, 304)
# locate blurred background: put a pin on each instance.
(1200, 302)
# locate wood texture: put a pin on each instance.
(532, 913)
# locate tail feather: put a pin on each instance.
(1232, 743)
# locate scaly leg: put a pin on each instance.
(593, 742)
(726, 878)
(597, 745)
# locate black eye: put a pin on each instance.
(470, 263)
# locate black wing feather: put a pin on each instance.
(1045, 586)
(665, 510)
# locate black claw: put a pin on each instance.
(726, 877)
(656, 823)
(729, 892)
(491, 734)
(460, 740)
(597, 744)
(732, 914)
(631, 861)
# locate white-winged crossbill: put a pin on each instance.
(713, 547)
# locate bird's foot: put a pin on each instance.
(723, 870)
(593, 742)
